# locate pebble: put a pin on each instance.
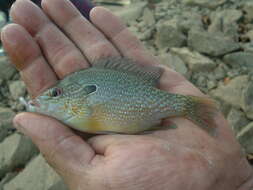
(174, 62)
(245, 137)
(36, 174)
(195, 61)
(168, 35)
(212, 44)
(237, 120)
(15, 150)
(6, 116)
(212, 4)
(247, 99)
(232, 92)
(131, 12)
(17, 89)
(6, 69)
(239, 59)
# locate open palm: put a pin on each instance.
(47, 46)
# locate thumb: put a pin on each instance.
(66, 152)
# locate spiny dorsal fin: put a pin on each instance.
(149, 73)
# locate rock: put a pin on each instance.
(211, 84)
(37, 174)
(148, 17)
(131, 12)
(7, 178)
(248, 47)
(146, 35)
(15, 150)
(59, 186)
(237, 120)
(232, 93)
(213, 44)
(195, 61)
(245, 137)
(6, 69)
(174, 62)
(249, 34)
(248, 8)
(247, 100)
(225, 21)
(239, 59)
(188, 21)
(168, 35)
(6, 116)
(205, 3)
(219, 72)
(17, 89)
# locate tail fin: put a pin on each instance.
(202, 112)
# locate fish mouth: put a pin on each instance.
(33, 103)
(30, 105)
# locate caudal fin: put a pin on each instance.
(202, 112)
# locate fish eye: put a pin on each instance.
(55, 92)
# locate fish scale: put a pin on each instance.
(117, 95)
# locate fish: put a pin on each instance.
(118, 95)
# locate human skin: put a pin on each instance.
(47, 45)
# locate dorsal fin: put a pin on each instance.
(149, 73)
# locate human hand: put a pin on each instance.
(45, 50)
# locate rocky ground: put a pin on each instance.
(209, 42)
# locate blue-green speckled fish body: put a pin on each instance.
(116, 95)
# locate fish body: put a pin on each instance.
(116, 95)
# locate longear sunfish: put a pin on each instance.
(116, 95)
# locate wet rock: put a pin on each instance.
(174, 62)
(6, 69)
(17, 89)
(205, 3)
(239, 59)
(168, 35)
(131, 12)
(247, 100)
(15, 150)
(232, 92)
(245, 137)
(213, 44)
(195, 61)
(37, 174)
(237, 120)
(6, 116)
(225, 21)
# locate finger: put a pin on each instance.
(25, 54)
(106, 144)
(91, 41)
(60, 52)
(114, 29)
(66, 152)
